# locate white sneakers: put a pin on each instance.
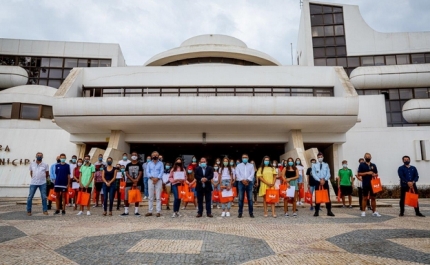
(363, 214)
(145, 198)
(79, 213)
(376, 214)
(225, 214)
(88, 213)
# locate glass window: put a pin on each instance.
(331, 62)
(418, 58)
(317, 31)
(66, 72)
(395, 106)
(379, 60)
(47, 112)
(338, 18)
(396, 117)
(353, 61)
(315, 9)
(43, 82)
(328, 19)
(342, 62)
(338, 30)
(30, 112)
(56, 62)
(83, 63)
(5, 111)
(55, 73)
(318, 42)
(24, 61)
(366, 61)
(388, 117)
(405, 93)
(329, 41)
(71, 63)
(319, 62)
(105, 63)
(428, 58)
(403, 59)
(394, 94)
(330, 51)
(316, 20)
(45, 62)
(54, 83)
(337, 9)
(44, 73)
(372, 92)
(421, 93)
(341, 51)
(327, 9)
(328, 31)
(360, 92)
(340, 40)
(94, 63)
(387, 106)
(390, 60)
(319, 52)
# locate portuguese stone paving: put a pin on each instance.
(347, 238)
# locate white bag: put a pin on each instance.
(291, 191)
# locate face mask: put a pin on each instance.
(86, 161)
(313, 162)
(320, 159)
(225, 164)
(237, 162)
(100, 159)
(155, 158)
(124, 158)
(134, 158)
(190, 171)
(58, 160)
(101, 169)
(161, 159)
(122, 169)
(216, 168)
(367, 160)
(267, 162)
(407, 162)
(274, 164)
(167, 167)
(345, 165)
(297, 162)
(245, 160)
(39, 158)
(194, 160)
(203, 164)
(74, 160)
(217, 162)
(178, 163)
(231, 163)
(109, 163)
(79, 164)
(290, 163)
(63, 160)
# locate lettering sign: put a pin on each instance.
(9, 161)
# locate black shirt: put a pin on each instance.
(133, 170)
(312, 181)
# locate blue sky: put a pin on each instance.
(145, 28)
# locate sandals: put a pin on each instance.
(104, 213)
(110, 213)
(274, 216)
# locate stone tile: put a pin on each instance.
(168, 246)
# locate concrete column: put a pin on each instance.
(295, 149)
(94, 154)
(116, 146)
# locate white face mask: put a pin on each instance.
(134, 157)
(79, 164)
(274, 164)
(320, 159)
(345, 165)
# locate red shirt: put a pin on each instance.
(76, 173)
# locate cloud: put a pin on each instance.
(146, 28)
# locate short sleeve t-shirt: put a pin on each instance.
(312, 181)
(133, 170)
(86, 174)
(62, 172)
(364, 167)
(225, 174)
(39, 173)
(345, 176)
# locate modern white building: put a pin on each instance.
(353, 91)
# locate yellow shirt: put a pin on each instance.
(269, 175)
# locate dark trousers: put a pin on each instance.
(108, 192)
(328, 204)
(208, 198)
(403, 191)
(242, 189)
(118, 194)
(360, 198)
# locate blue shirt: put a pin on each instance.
(154, 170)
(62, 172)
(52, 174)
(407, 174)
(320, 171)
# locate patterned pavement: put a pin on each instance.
(96, 239)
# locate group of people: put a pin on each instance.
(203, 180)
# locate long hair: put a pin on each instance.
(228, 165)
(262, 165)
(293, 166)
(176, 166)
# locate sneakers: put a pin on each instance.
(286, 215)
(350, 206)
(137, 214)
(344, 206)
(57, 212)
(88, 213)
(176, 215)
(79, 213)
(312, 208)
(183, 208)
(376, 214)
(294, 214)
(145, 198)
(227, 214)
(124, 215)
(219, 207)
(63, 212)
(223, 214)
(45, 213)
(363, 214)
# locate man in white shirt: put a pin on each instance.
(39, 172)
(245, 177)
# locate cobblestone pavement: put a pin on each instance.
(97, 239)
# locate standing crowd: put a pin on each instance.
(210, 185)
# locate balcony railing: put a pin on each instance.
(207, 91)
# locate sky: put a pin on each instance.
(145, 28)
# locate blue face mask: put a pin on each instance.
(122, 169)
(167, 167)
(124, 158)
(237, 162)
(245, 160)
(231, 164)
(100, 159)
(298, 162)
(216, 168)
(63, 160)
(148, 160)
(39, 158)
(203, 164)
(194, 160)
(74, 160)
(266, 162)
(101, 169)
(290, 164)
(190, 171)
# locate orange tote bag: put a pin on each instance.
(321, 196)
(411, 198)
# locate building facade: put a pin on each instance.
(214, 96)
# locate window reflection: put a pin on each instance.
(30, 112)
(5, 111)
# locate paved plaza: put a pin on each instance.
(96, 239)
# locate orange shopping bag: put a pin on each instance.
(71, 193)
(411, 198)
(78, 199)
(225, 199)
(321, 195)
(189, 197)
(134, 195)
(376, 185)
(301, 191)
(339, 194)
(215, 196)
(283, 190)
(308, 197)
(52, 195)
(182, 191)
(85, 198)
(272, 196)
(164, 198)
(234, 192)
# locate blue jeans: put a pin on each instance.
(312, 188)
(42, 190)
(145, 187)
(226, 206)
(248, 190)
(111, 191)
(176, 200)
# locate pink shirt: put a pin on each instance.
(171, 179)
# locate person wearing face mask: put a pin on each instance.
(345, 178)
(358, 184)
(218, 162)
(204, 174)
(321, 173)
(120, 175)
(86, 177)
(39, 173)
(408, 176)
(311, 181)
(256, 187)
(98, 183)
(193, 163)
(167, 187)
(301, 170)
(62, 173)
(290, 175)
(191, 182)
(75, 181)
(155, 171)
(72, 165)
(245, 177)
(51, 180)
(109, 186)
(215, 181)
(233, 165)
(177, 167)
(267, 176)
(226, 173)
(133, 173)
(145, 178)
(367, 171)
